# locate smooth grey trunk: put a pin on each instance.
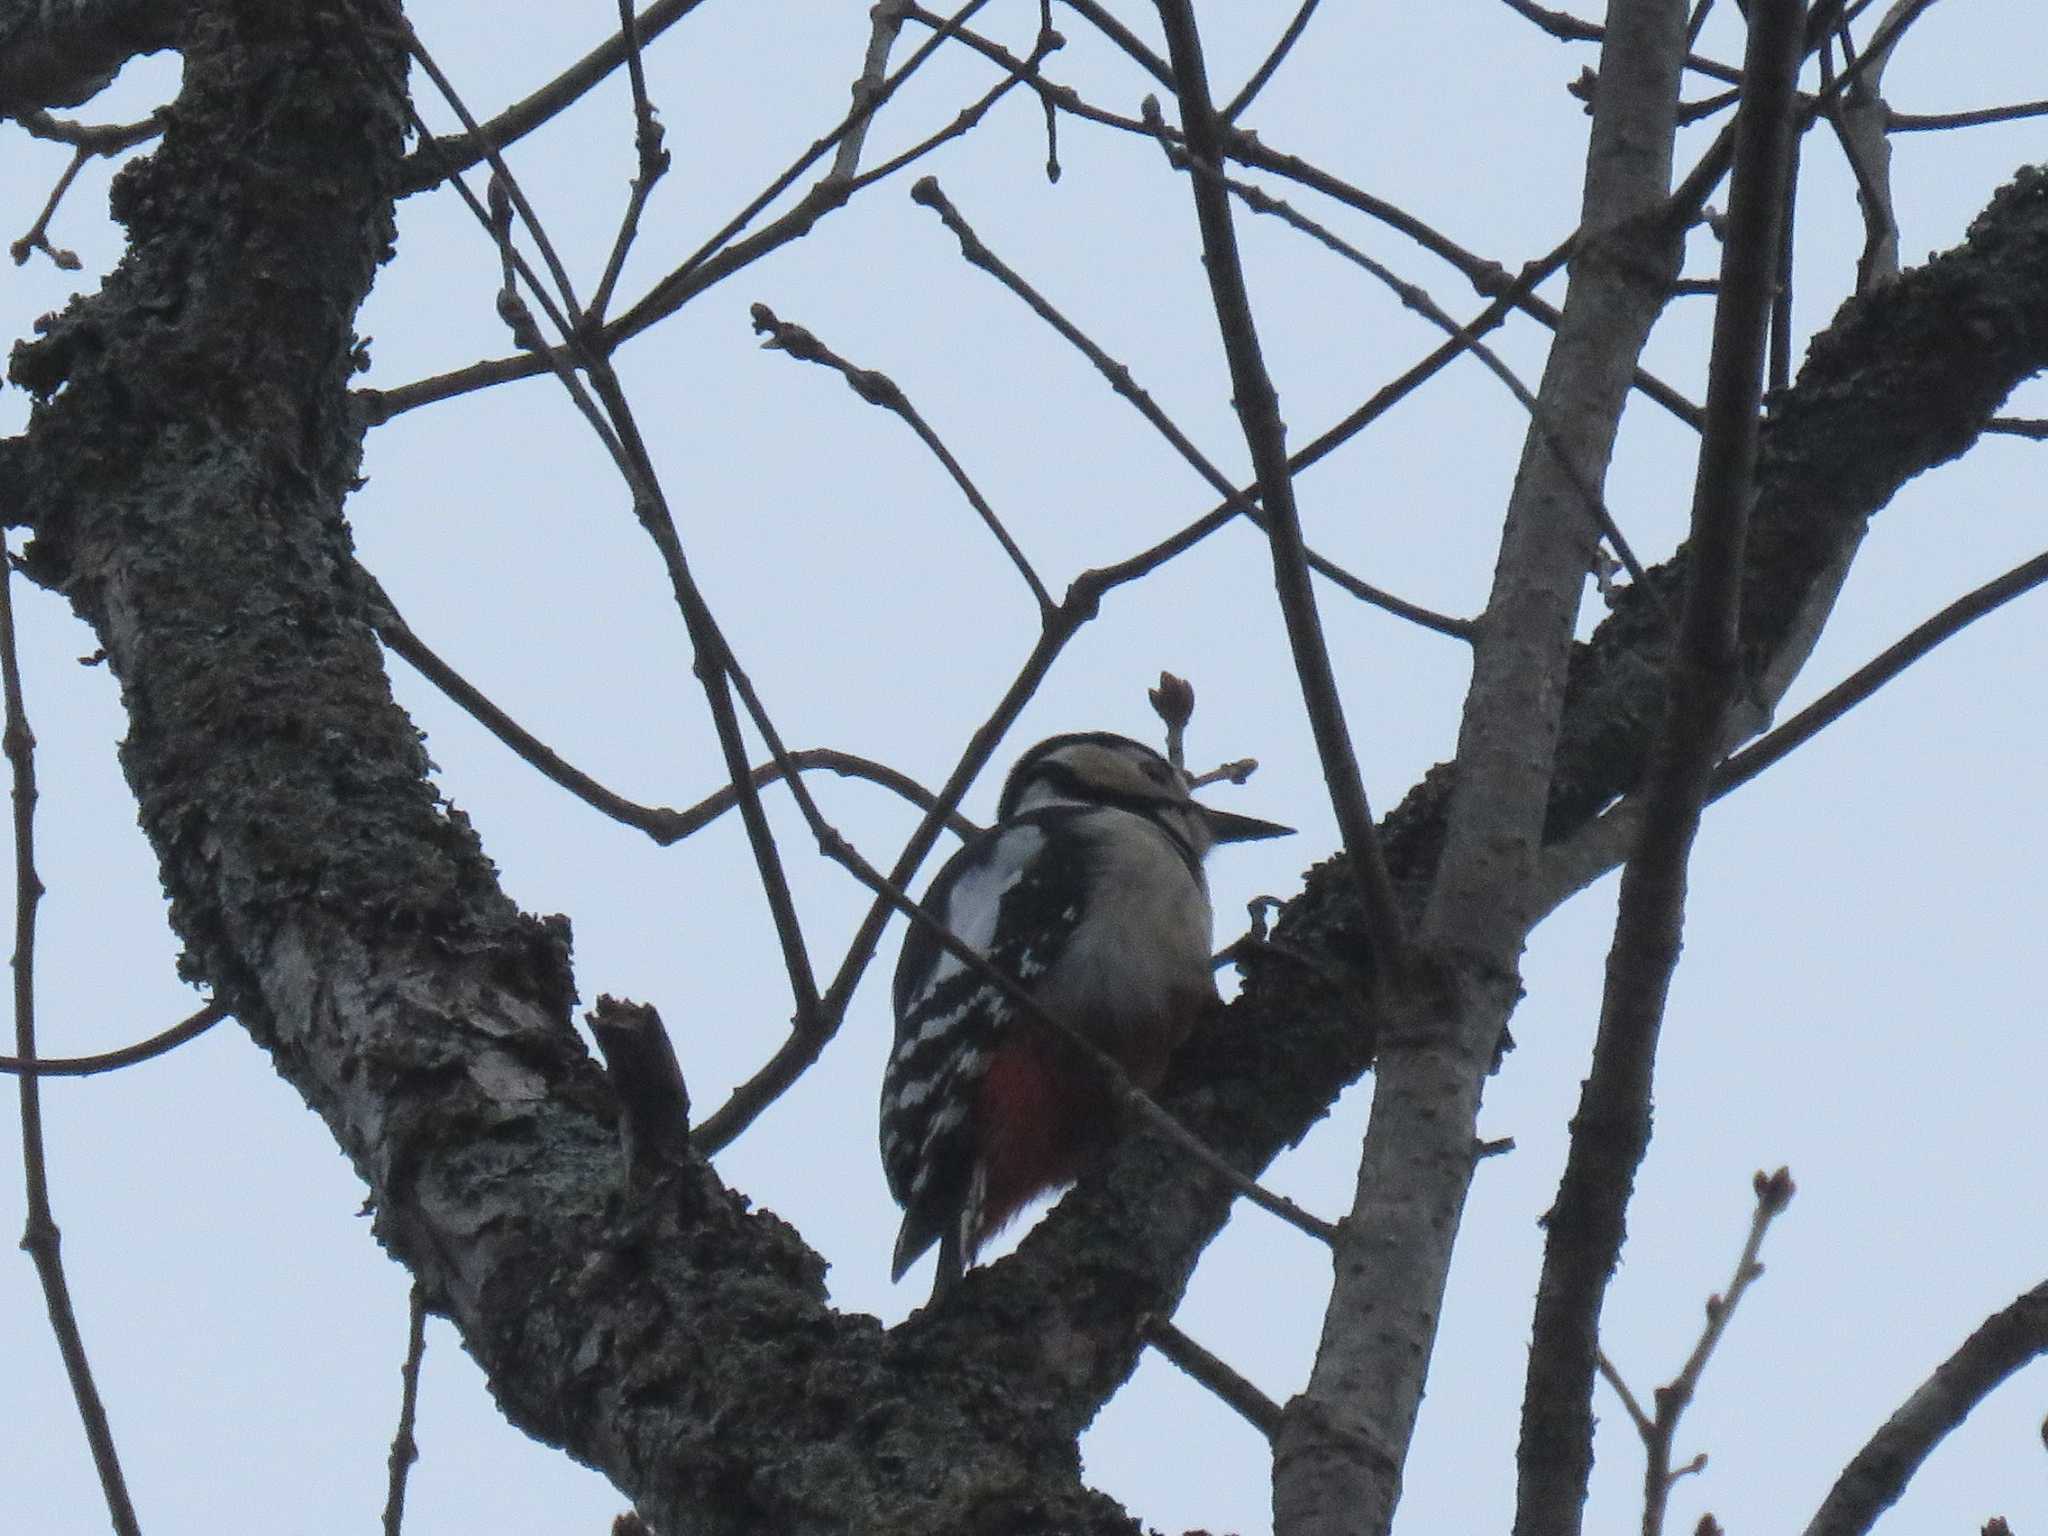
(1338, 1459)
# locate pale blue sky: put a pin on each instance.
(1858, 995)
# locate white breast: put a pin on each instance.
(1142, 947)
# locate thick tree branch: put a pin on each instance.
(1874, 1479)
(58, 53)
(1611, 1131)
(1338, 1458)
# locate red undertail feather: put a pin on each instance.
(1040, 1115)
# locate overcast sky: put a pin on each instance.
(1858, 997)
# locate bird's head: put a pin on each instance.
(1100, 768)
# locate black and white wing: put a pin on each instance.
(1015, 894)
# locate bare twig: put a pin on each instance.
(1875, 673)
(1258, 409)
(886, 24)
(1601, 845)
(38, 236)
(1567, 28)
(1417, 298)
(1774, 1192)
(571, 321)
(1487, 277)
(1611, 1130)
(1927, 122)
(1099, 17)
(968, 116)
(1173, 701)
(661, 823)
(651, 164)
(127, 1056)
(879, 389)
(717, 669)
(802, 1047)
(1613, 1378)
(714, 261)
(40, 1238)
(1878, 1474)
(100, 138)
(426, 168)
(86, 141)
(405, 1450)
(2019, 426)
(830, 191)
(1257, 1409)
(1272, 61)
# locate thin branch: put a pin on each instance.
(1100, 18)
(1416, 298)
(1901, 16)
(1878, 1474)
(1258, 410)
(1925, 122)
(1273, 61)
(886, 23)
(1774, 1192)
(1488, 278)
(829, 192)
(651, 164)
(100, 138)
(1237, 501)
(40, 1238)
(661, 823)
(38, 236)
(1257, 1409)
(1610, 1133)
(802, 1047)
(127, 1056)
(405, 1450)
(1600, 845)
(1613, 1378)
(86, 141)
(1567, 28)
(458, 152)
(565, 290)
(878, 388)
(970, 115)
(714, 261)
(717, 669)
(1875, 673)
(2019, 426)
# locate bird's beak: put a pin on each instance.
(1229, 827)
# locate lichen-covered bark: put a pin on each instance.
(185, 485)
(57, 53)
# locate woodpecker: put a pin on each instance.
(1088, 892)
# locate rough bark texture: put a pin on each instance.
(57, 53)
(185, 489)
